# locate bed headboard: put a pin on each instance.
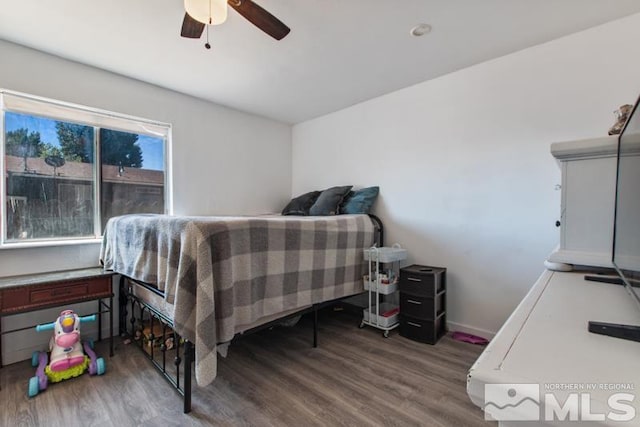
(377, 222)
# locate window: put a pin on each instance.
(68, 169)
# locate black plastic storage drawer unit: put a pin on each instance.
(423, 301)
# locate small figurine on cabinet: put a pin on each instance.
(69, 357)
(622, 114)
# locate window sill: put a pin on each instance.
(50, 243)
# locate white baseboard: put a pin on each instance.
(454, 326)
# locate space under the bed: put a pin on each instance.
(152, 332)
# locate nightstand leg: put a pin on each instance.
(0, 341)
(99, 320)
(0, 350)
(111, 325)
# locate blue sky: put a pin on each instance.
(151, 147)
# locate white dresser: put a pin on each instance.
(545, 343)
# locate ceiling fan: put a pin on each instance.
(213, 12)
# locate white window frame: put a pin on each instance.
(22, 103)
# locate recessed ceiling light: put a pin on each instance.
(420, 30)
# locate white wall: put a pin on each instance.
(224, 161)
(463, 162)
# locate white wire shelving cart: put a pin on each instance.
(382, 281)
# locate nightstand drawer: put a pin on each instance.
(421, 280)
(39, 296)
(421, 307)
(426, 331)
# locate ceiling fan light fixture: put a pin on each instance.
(209, 12)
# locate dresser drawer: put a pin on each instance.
(26, 298)
(422, 280)
(421, 307)
(426, 331)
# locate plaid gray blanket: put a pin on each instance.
(221, 272)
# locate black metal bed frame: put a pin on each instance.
(133, 327)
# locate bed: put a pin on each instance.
(211, 278)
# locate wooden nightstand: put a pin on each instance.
(21, 294)
(423, 292)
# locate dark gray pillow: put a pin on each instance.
(329, 201)
(300, 205)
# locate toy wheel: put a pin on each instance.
(35, 358)
(100, 366)
(386, 334)
(33, 386)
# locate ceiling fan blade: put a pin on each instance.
(260, 18)
(191, 28)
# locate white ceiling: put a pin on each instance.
(339, 52)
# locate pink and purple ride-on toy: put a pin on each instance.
(67, 358)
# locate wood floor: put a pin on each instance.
(271, 378)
